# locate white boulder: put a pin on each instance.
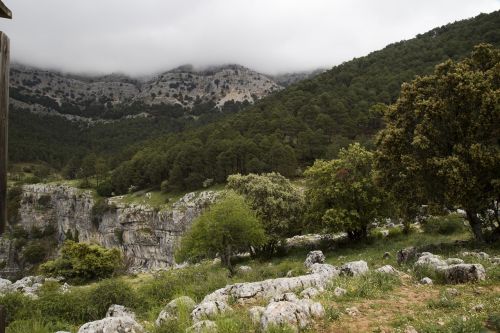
(209, 310)
(314, 257)
(171, 309)
(463, 273)
(354, 268)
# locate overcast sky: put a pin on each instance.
(271, 36)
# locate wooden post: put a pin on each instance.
(2, 319)
(4, 118)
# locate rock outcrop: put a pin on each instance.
(55, 93)
(146, 235)
(314, 257)
(118, 320)
(452, 273)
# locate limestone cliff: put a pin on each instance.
(147, 236)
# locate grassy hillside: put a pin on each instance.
(386, 303)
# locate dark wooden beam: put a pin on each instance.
(4, 118)
(4, 11)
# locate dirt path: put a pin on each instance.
(378, 314)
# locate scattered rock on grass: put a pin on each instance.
(353, 311)
(120, 320)
(204, 326)
(339, 291)
(354, 268)
(116, 310)
(463, 273)
(410, 329)
(478, 308)
(454, 261)
(244, 269)
(406, 254)
(386, 255)
(387, 269)
(452, 292)
(171, 309)
(426, 280)
(314, 257)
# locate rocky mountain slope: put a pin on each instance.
(51, 91)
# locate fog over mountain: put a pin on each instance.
(140, 38)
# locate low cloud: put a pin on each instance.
(272, 36)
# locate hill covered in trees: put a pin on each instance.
(309, 120)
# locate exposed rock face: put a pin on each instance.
(146, 236)
(59, 94)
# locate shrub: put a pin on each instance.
(105, 189)
(81, 262)
(16, 305)
(19, 232)
(112, 291)
(444, 225)
(35, 252)
(228, 227)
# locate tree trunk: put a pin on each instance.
(475, 224)
(226, 260)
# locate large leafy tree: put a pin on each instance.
(441, 143)
(342, 194)
(277, 202)
(229, 226)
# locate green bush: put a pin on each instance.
(80, 262)
(16, 305)
(55, 311)
(112, 291)
(444, 225)
(35, 252)
(105, 189)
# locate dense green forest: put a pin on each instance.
(309, 120)
(284, 132)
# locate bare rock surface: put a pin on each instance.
(320, 276)
(203, 326)
(314, 257)
(464, 273)
(354, 268)
(209, 309)
(147, 236)
(118, 320)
